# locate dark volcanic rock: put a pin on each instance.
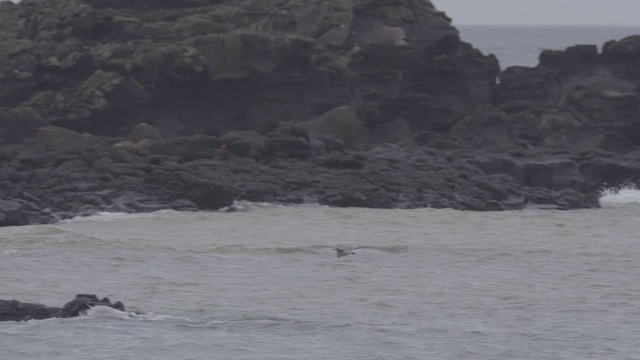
(152, 104)
(216, 66)
(578, 92)
(13, 310)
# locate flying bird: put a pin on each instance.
(344, 250)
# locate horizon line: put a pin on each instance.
(544, 25)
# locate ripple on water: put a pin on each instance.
(252, 285)
(8, 252)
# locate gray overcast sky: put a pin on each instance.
(542, 12)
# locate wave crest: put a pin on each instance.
(619, 196)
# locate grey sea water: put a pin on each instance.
(257, 284)
(521, 45)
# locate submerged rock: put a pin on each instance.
(13, 310)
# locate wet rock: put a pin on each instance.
(342, 122)
(144, 131)
(500, 164)
(612, 142)
(15, 212)
(574, 58)
(13, 310)
(487, 127)
(147, 105)
(285, 147)
(243, 143)
(20, 124)
(600, 173)
(84, 302)
(554, 175)
(188, 148)
(54, 136)
(622, 57)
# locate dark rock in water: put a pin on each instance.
(84, 302)
(22, 212)
(13, 310)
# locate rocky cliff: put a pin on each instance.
(137, 106)
(210, 67)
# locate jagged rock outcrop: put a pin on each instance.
(211, 67)
(13, 310)
(578, 107)
(576, 93)
(114, 105)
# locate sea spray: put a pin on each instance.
(616, 196)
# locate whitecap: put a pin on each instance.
(8, 252)
(105, 312)
(112, 216)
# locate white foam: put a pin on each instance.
(621, 196)
(105, 312)
(8, 252)
(111, 216)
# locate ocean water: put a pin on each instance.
(264, 283)
(521, 45)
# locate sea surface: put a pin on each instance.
(264, 283)
(521, 45)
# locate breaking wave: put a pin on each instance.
(624, 195)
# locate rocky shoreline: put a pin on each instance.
(148, 105)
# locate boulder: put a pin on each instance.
(19, 124)
(342, 122)
(188, 148)
(13, 310)
(58, 137)
(486, 127)
(612, 141)
(554, 174)
(243, 143)
(144, 131)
